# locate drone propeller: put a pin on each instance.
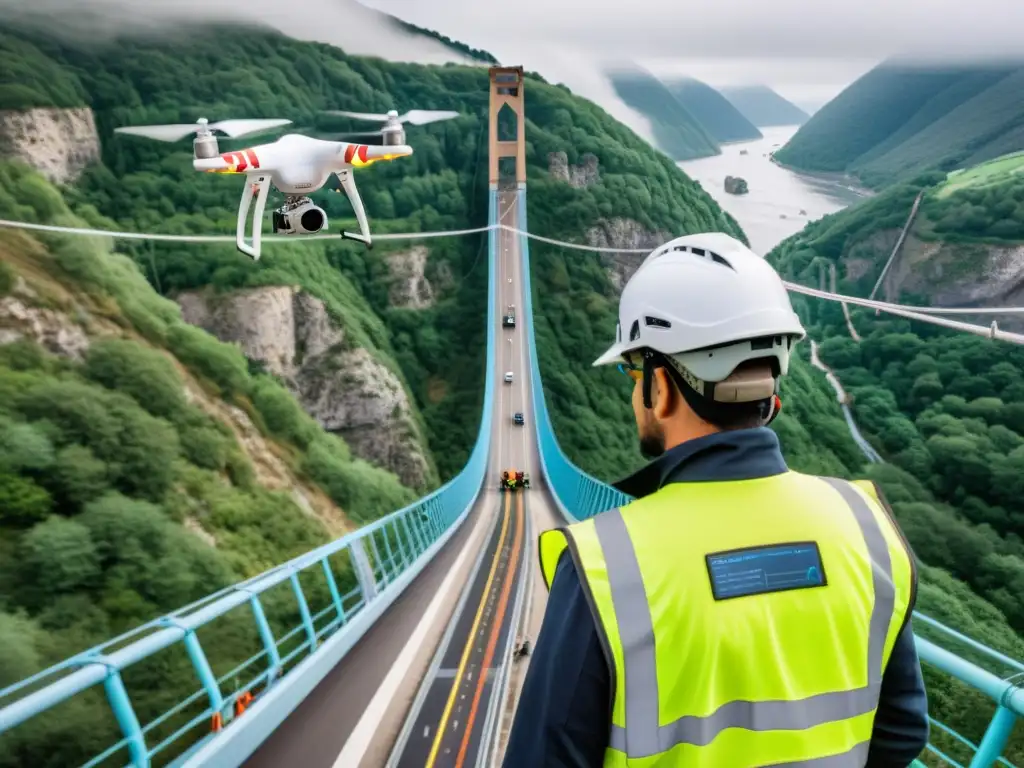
(413, 116)
(353, 135)
(174, 132)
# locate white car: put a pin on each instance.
(508, 377)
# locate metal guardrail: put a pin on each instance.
(383, 556)
(580, 496)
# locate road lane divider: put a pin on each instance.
(467, 651)
(496, 624)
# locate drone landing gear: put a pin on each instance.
(258, 186)
(348, 186)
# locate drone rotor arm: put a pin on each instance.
(375, 152)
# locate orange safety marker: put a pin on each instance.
(242, 702)
(218, 722)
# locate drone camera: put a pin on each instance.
(305, 218)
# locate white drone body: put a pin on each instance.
(297, 165)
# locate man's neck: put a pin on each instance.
(685, 430)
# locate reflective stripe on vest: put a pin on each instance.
(643, 735)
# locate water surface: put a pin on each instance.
(775, 192)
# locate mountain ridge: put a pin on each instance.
(712, 110)
(763, 107)
(676, 130)
(902, 119)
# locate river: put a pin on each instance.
(770, 211)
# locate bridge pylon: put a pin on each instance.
(507, 91)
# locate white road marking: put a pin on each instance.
(362, 735)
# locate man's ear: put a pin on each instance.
(663, 395)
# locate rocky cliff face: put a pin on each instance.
(344, 388)
(949, 274)
(579, 176)
(66, 323)
(59, 143)
(626, 234)
(961, 275)
(53, 330)
(410, 287)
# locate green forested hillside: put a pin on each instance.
(946, 412)
(75, 521)
(899, 120)
(74, 434)
(676, 131)
(143, 465)
(455, 45)
(712, 110)
(762, 106)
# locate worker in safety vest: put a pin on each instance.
(737, 613)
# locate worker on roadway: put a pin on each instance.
(737, 613)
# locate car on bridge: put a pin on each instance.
(518, 419)
(512, 479)
(508, 377)
(509, 320)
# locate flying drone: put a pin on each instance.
(297, 165)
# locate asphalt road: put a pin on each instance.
(445, 728)
(314, 735)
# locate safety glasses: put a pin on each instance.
(628, 368)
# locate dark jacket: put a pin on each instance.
(563, 718)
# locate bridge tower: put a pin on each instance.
(506, 142)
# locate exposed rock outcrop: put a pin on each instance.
(627, 234)
(579, 176)
(51, 329)
(734, 185)
(410, 287)
(960, 275)
(352, 394)
(58, 143)
(344, 388)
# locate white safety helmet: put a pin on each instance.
(709, 303)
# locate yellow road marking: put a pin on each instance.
(469, 642)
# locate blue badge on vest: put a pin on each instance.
(757, 570)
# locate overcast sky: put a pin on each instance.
(808, 50)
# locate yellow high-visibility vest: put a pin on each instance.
(747, 623)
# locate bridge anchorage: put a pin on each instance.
(399, 650)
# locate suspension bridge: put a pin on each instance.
(400, 652)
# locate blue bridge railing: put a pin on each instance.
(579, 496)
(336, 591)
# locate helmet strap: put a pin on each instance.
(649, 366)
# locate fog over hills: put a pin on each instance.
(347, 24)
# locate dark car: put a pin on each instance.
(518, 419)
(509, 319)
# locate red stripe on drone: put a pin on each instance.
(253, 160)
(350, 150)
(363, 149)
(236, 161)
